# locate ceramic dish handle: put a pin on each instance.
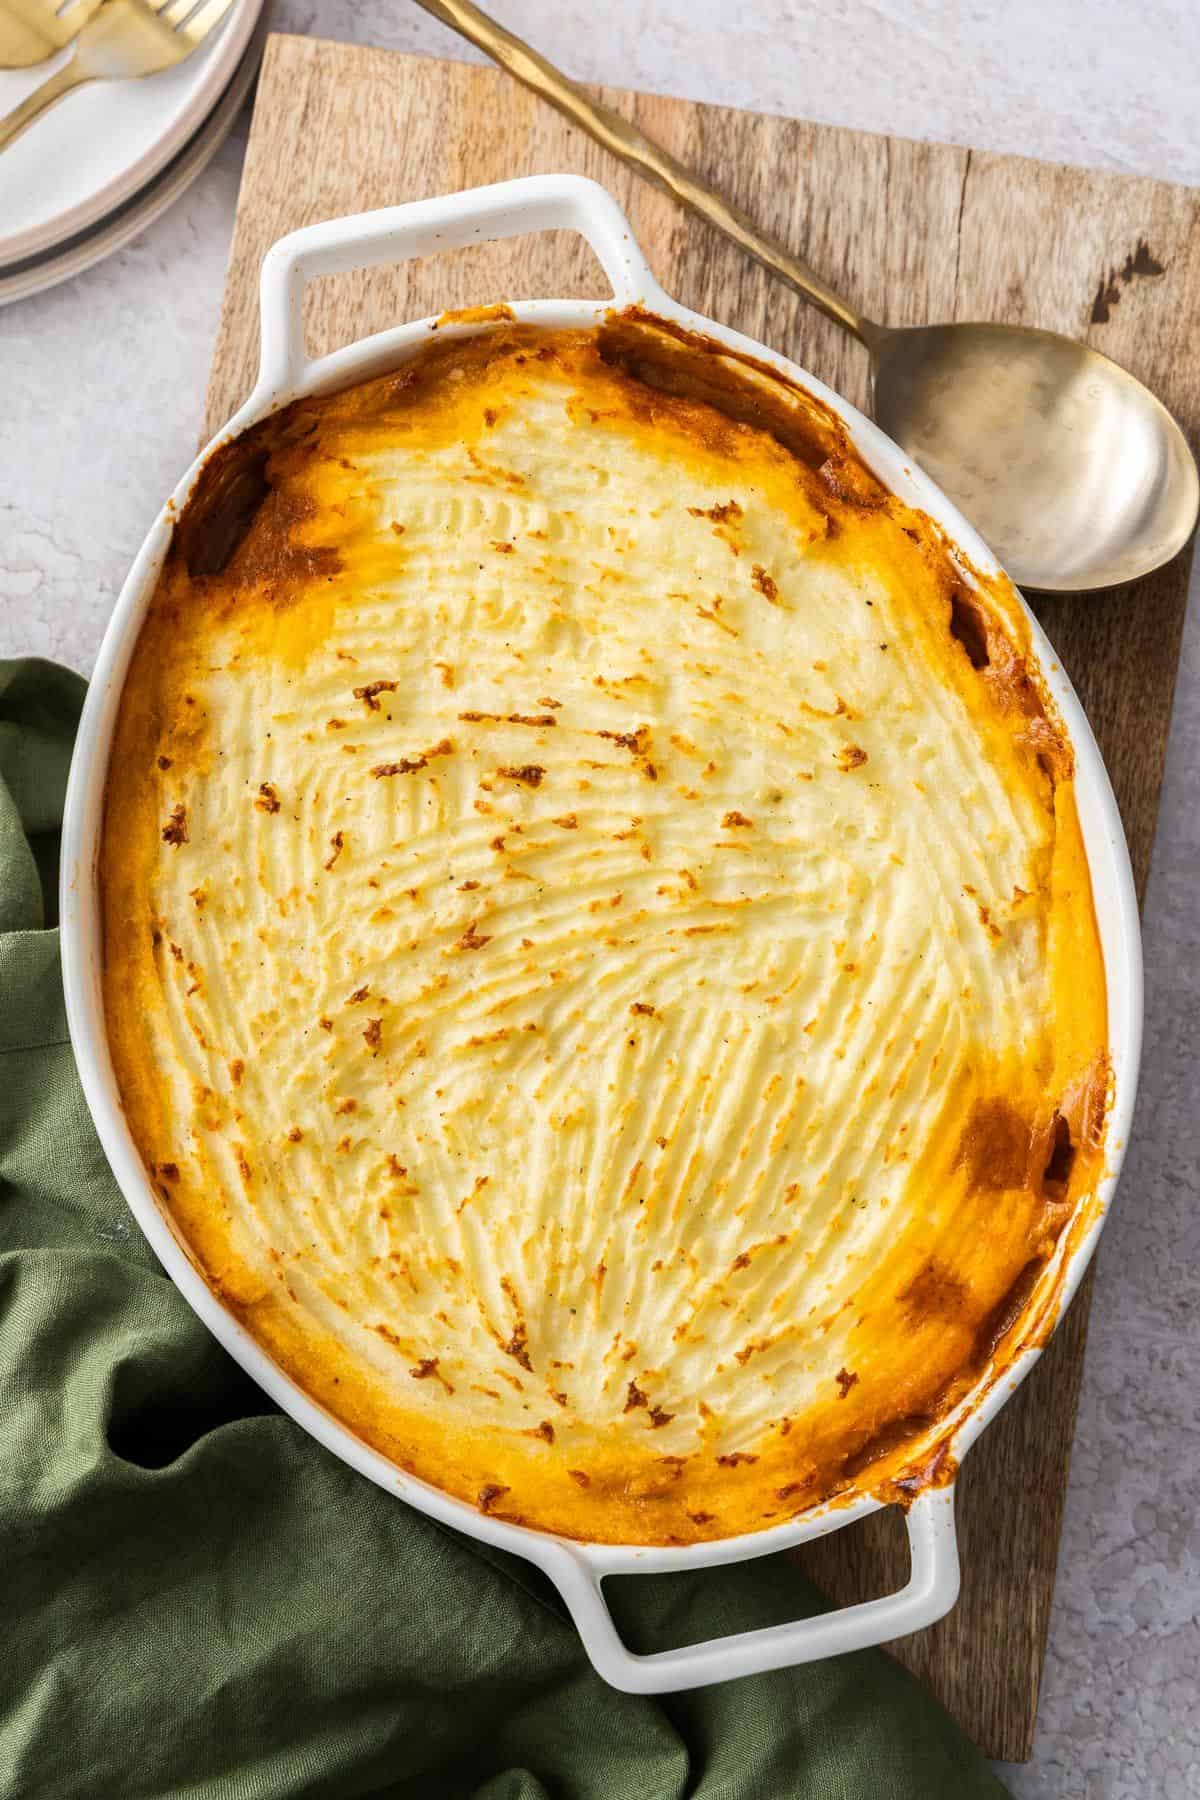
(930, 1592)
(423, 228)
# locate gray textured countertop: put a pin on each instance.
(103, 384)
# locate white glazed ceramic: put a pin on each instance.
(37, 273)
(545, 203)
(102, 144)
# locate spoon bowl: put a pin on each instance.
(1070, 469)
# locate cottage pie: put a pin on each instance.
(599, 953)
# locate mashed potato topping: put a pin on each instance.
(600, 961)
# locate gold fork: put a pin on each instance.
(32, 30)
(123, 38)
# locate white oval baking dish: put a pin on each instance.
(544, 203)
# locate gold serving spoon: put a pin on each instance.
(1067, 466)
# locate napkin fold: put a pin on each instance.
(201, 1603)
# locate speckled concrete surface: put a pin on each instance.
(103, 382)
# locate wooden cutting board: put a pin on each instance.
(913, 232)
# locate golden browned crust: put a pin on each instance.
(701, 1327)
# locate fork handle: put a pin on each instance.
(34, 105)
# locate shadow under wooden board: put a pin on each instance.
(913, 232)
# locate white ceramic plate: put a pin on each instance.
(101, 145)
(34, 274)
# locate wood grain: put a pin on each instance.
(913, 232)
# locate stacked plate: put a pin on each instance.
(106, 161)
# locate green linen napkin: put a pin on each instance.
(199, 1601)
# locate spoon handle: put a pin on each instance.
(632, 146)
